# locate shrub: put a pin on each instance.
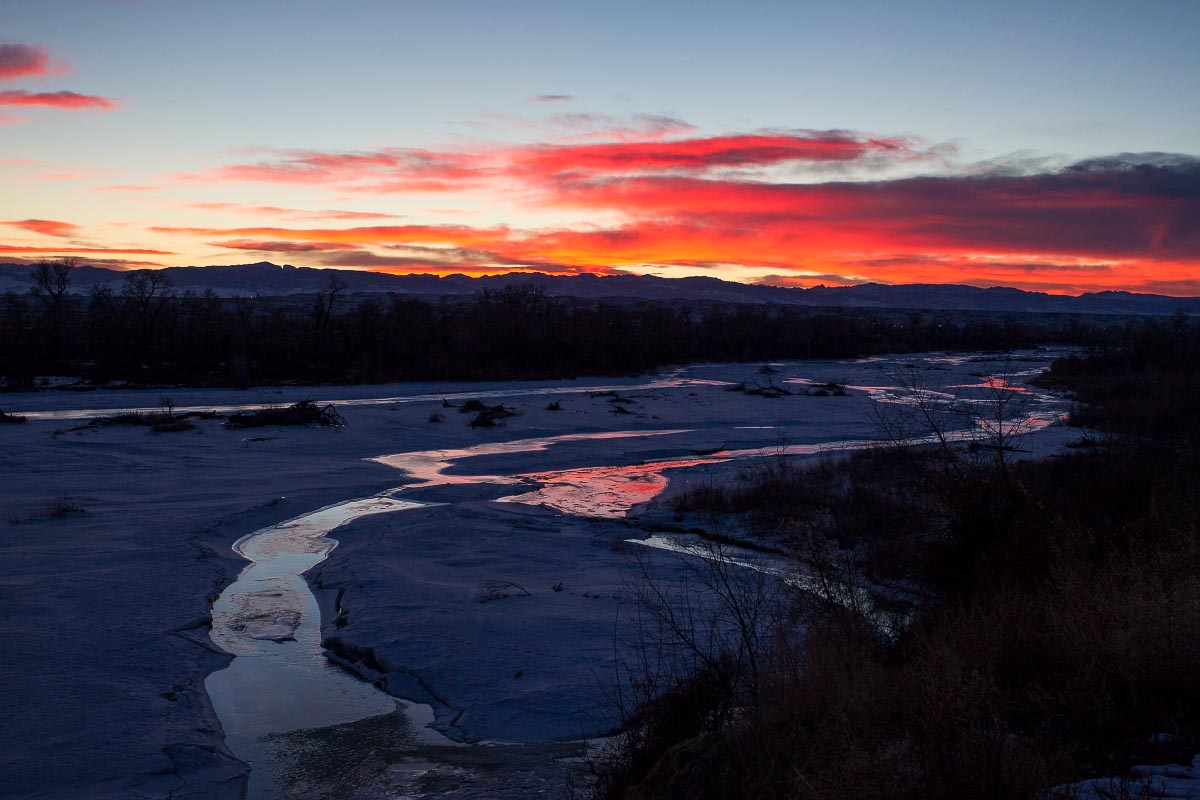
(306, 412)
(492, 416)
(471, 406)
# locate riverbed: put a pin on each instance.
(429, 607)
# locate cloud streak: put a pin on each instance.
(412, 170)
(71, 101)
(703, 155)
(291, 213)
(281, 247)
(582, 126)
(47, 227)
(11, 248)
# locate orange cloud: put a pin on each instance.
(48, 227)
(10, 248)
(112, 263)
(282, 247)
(1125, 222)
(719, 205)
(334, 213)
(290, 213)
(376, 234)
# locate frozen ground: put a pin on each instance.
(1144, 782)
(105, 611)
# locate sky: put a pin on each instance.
(1052, 146)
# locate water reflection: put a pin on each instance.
(603, 492)
(610, 491)
(280, 680)
(429, 467)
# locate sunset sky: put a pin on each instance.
(1046, 145)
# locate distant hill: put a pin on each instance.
(272, 280)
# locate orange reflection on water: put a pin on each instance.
(607, 492)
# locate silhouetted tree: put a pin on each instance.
(51, 282)
(323, 307)
(147, 292)
(144, 332)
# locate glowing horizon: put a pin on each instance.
(168, 156)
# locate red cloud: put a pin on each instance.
(416, 170)
(48, 227)
(688, 204)
(1125, 222)
(19, 60)
(704, 154)
(551, 98)
(65, 100)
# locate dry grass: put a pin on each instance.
(1062, 638)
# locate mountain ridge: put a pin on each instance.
(265, 278)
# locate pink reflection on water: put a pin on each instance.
(429, 466)
(995, 382)
(607, 492)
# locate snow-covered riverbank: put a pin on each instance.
(105, 610)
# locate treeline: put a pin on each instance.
(147, 333)
(1059, 637)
